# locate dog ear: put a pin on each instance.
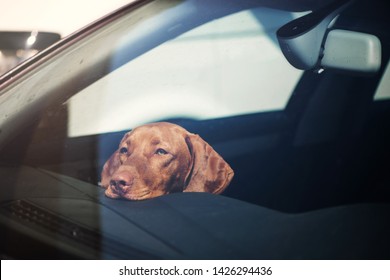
(209, 172)
(109, 168)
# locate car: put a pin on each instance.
(16, 47)
(28, 27)
(302, 119)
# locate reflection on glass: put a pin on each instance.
(10, 58)
(15, 47)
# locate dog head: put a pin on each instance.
(162, 158)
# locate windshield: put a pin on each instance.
(193, 76)
(296, 141)
(151, 66)
(122, 93)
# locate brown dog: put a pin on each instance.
(163, 158)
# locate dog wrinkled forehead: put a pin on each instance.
(164, 126)
(155, 132)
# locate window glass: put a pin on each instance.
(383, 91)
(230, 66)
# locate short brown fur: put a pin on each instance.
(162, 158)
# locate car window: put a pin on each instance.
(230, 66)
(383, 91)
(222, 77)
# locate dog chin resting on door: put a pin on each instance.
(162, 158)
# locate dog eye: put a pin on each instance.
(161, 152)
(123, 150)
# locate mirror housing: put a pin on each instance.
(309, 44)
(301, 40)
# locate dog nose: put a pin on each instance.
(121, 181)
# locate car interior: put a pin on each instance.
(311, 181)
